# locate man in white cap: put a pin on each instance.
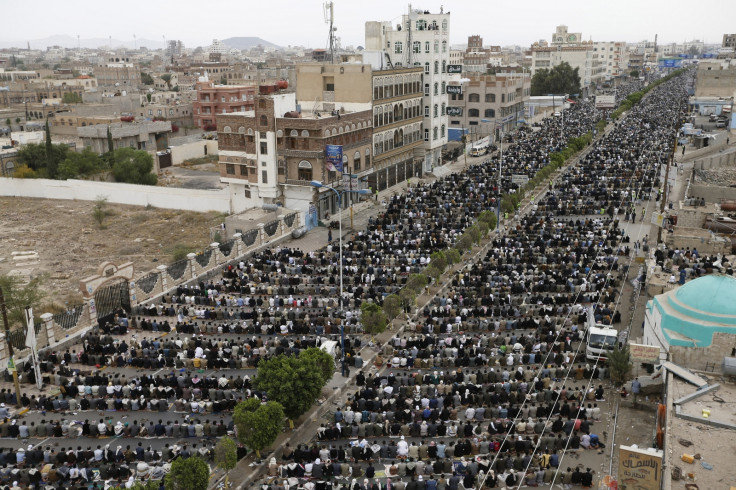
(402, 448)
(4, 413)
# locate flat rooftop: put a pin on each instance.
(715, 445)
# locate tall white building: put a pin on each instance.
(217, 47)
(421, 39)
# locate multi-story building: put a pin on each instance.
(149, 136)
(476, 58)
(568, 47)
(483, 105)
(118, 76)
(174, 49)
(220, 99)
(612, 58)
(729, 41)
(272, 153)
(395, 98)
(421, 39)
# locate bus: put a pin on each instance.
(478, 151)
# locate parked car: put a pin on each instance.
(712, 118)
(720, 124)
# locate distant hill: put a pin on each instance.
(70, 42)
(247, 42)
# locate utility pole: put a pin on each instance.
(665, 187)
(10, 347)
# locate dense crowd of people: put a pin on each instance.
(486, 385)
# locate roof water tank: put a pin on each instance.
(728, 366)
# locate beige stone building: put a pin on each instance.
(484, 105)
(149, 136)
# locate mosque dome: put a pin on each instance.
(712, 294)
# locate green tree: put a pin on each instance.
(258, 424)
(392, 306)
(166, 77)
(99, 213)
(292, 382)
(417, 283)
(321, 359)
(452, 256)
(71, 98)
(19, 295)
(438, 260)
(619, 363)
(79, 164)
(110, 147)
(192, 473)
(408, 297)
(36, 157)
(634, 74)
(133, 167)
(52, 163)
(464, 243)
(146, 79)
(147, 485)
(226, 456)
(149, 97)
(373, 318)
(488, 217)
(562, 79)
(7, 122)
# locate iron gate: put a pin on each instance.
(110, 300)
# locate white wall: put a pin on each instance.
(192, 150)
(137, 195)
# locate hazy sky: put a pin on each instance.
(301, 22)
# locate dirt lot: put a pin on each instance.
(71, 246)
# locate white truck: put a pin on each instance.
(599, 339)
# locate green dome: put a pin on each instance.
(713, 294)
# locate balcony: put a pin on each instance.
(306, 183)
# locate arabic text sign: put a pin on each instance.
(644, 353)
(637, 469)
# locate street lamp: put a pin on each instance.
(339, 194)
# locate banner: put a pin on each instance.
(454, 68)
(454, 111)
(454, 89)
(333, 158)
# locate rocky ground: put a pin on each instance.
(71, 245)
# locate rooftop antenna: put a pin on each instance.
(408, 44)
(110, 38)
(135, 42)
(329, 12)
(79, 44)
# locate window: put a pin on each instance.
(444, 46)
(436, 46)
(444, 109)
(436, 88)
(473, 98)
(426, 111)
(417, 47)
(398, 47)
(247, 193)
(264, 176)
(426, 47)
(444, 88)
(434, 133)
(426, 89)
(150, 112)
(436, 67)
(230, 169)
(444, 25)
(491, 98)
(243, 170)
(356, 161)
(444, 66)
(426, 135)
(434, 112)
(264, 121)
(421, 25)
(442, 131)
(305, 170)
(473, 113)
(489, 113)
(264, 148)
(171, 112)
(263, 164)
(503, 98)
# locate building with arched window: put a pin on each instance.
(432, 32)
(486, 105)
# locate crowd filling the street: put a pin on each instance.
(487, 385)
